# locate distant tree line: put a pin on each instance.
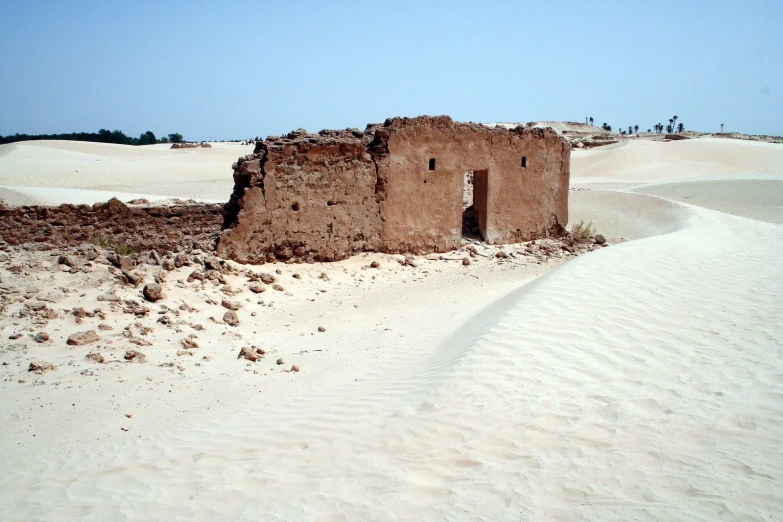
(671, 128)
(102, 136)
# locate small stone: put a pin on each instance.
(231, 318)
(123, 428)
(181, 260)
(321, 329)
(257, 288)
(129, 415)
(67, 261)
(41, 337)
(259, 350)
(132, 277)
(15, 336)
(296, 276)
(153, 292)
(231, 305)
(40, 367)
(135, 356)
(278, 288)
(95, 357)
(294, 368)
(375, 264)
(104, 326)
(267, 279)
(82, 338)
(247, 353)
(600, 239)
(280, 361)
(465, 261)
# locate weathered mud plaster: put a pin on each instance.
(395, 187)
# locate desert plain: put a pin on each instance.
(641, 378)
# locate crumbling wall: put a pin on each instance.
(164, 228)
(303, 196)
(396, 187)
(422, 211)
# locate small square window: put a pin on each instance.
(524, 162)
(432, 163)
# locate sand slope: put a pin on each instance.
(639, 381)
(157, 170)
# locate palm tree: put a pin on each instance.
(649, 130)
(636, 128)
(591, 120)
(680, 127)
(674, 121)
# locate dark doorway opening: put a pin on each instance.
(474, 205)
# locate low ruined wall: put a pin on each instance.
(157, 227)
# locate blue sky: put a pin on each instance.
(229, 70)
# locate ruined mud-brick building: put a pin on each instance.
(396, 187)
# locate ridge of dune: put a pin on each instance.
(650, 161)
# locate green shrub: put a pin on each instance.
(582, 231)
(124, 249)
(102, 241)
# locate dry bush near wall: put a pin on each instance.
(582, 231)
(122, 249)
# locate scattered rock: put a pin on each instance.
(135, 356)
(189, 343)
(67, 261)
(15, 336)
(267, 279)
(95, 357)
(465, 261)
(41, 337)
(600, 239)
(153, 292)
(375, 264)
(231, 305)
(501, 255)
(181, 260)
(196, 275)
(321, 329)
(296, 276)
(105, 327)
(231, 318)
(133, 278)
(278, 288)
(259, 350)
(40, 367)
(280, 361)
(257, 288)
(82, 338)
(129, 415)
(294, 368)
(247, 353)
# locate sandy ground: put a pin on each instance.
(639, 381)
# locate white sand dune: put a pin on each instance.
(154, 170)
(640, 381)
(653, 161)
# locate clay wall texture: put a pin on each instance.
(162, 228)
(331, 195)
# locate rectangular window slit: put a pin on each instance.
(432, 163)
(524, 162)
